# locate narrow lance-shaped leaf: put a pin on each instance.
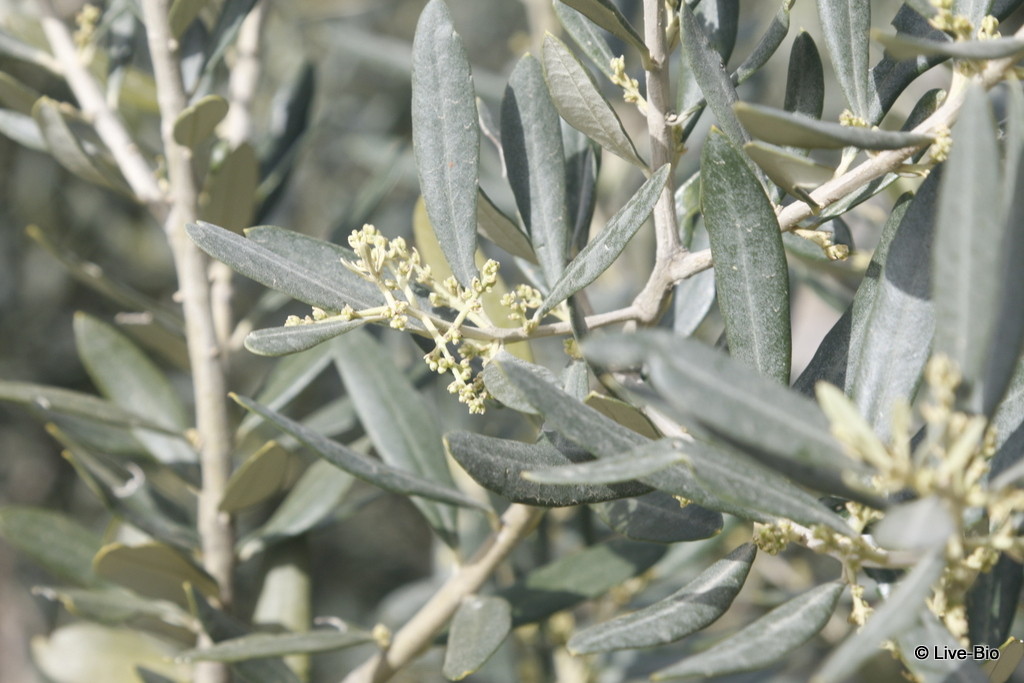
(846, 24)
(365, 468)
(606, 15)
(580, 102)
(657, 517)
(129, 378)
(292, 277)
(532, 140)
(906, 47)
(805, 80)
(710, 74)
(264, 645)
(886, 340)
(53, 119)
(397, 419)
(446, 136)
(895, 615)
(782, 128)
(970, 248)
(631, 465)
(602, 252)
(479, 627)
(764, 641)
(719, 21)
(587, 36)
(280, 341)
(54, 541)
(688, 610)
(751, 275)
(498, 465)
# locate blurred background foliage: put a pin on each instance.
(353, 165)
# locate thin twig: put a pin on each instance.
(417, 635)
(108, 124)
(212, 421)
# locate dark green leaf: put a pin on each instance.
(498, 465)
(479, 627)
(767, 46)
(992, 602)
(574, 578)
(970, 247)
(602, 251)
(310, 501)
(829, 361)
(905, 47)
(623, 468)
(846, 24)
(280, 341)
(658, 517)
(532, 141)
(256, 646)
(197, 121)
(580, 102)
(446, 136)
(284, 274)
(320, 259)
(220, 627)
(365, 468)
(152, 569)
(499, 228)
(125, 375)
(898, 613)
(606, 15)
(782, 128)
(933, 635)
(886, 339)
(58, 544)
(699, 382)
(764, 641)
(582, 164)
(587, 36)
(67, 402)
(688, 610)
(805, 80)
(710, 74)
(751, 275)
(397, 419)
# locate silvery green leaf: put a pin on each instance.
(905, 47)
(898, 613)
(197, 122)
(498, 465)
(710, 74)
(400, 423)
(917, 525)
(446, 136)
(255, 646)
(603, 250)
(532, 141)
(229, 22)
(764, 641)
(74, 144)
(751, 275)
(846, 24)
(288, 274)
(794, 173)
(361, 466)
(688, 610)
(500, 229)
(280, 341)
(479, 627)
(606, 15)
(628, 466)
(586, 35)
(580, 102)
(933, 635)
(783, 128)
(805, 79)
(968, 272)
(886, 353)
(61, 546)
(974, 10)
(695, 295)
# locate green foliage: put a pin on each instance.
(619, 334)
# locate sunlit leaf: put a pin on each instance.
(70, 149)
(783, 128)
(688, 610)
(604, 249)
(446, 136)
(906, 47)
(606, 15)
(625, 467)
(532, 141)
(846, 24)
(587, 36)
(256, 646)
(153, 569)
(763, 641)
(229, 195)
(751, 275)
(280, 341)
(85, 653)
(580, 102)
